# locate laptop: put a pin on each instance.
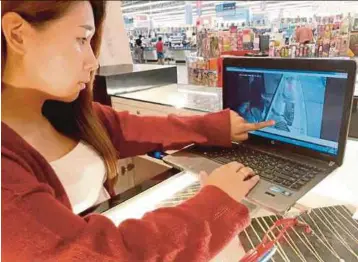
(310, 101)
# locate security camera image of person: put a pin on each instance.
(294, 102)
(253, 109)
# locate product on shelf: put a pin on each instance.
(331, 38)
(205, 67)
(353, 43)
(240, 40)
(202, 71)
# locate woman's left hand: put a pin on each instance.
(240, 128)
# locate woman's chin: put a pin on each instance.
(71, 98)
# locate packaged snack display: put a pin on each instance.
(202, 71)
(331, 38)
(204, 66)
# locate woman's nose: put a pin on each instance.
(91, 66)
(91, 63)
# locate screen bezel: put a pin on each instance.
(311, 64)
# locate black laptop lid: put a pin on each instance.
(310, 100)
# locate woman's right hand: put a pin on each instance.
(234, 178)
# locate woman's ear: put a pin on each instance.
(15, 28)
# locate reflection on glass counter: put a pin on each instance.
(207, 99)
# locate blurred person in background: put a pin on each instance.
(139, 50)
(160, 50)
(193, 40)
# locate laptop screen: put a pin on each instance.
(307, 106)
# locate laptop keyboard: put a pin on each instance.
(284, 172)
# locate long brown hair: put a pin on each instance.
(75, 119)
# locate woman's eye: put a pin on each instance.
(82, 40)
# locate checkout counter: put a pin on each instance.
(125, 78)
(178, 54)
(171, 186)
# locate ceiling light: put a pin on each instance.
(180, 12)
(142, 4)
(154, 9)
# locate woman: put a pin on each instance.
(49, 55)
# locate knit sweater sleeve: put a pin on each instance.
(38, 227)
(135, 135)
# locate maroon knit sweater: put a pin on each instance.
(39, 225)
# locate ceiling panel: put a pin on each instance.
(167, 9)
